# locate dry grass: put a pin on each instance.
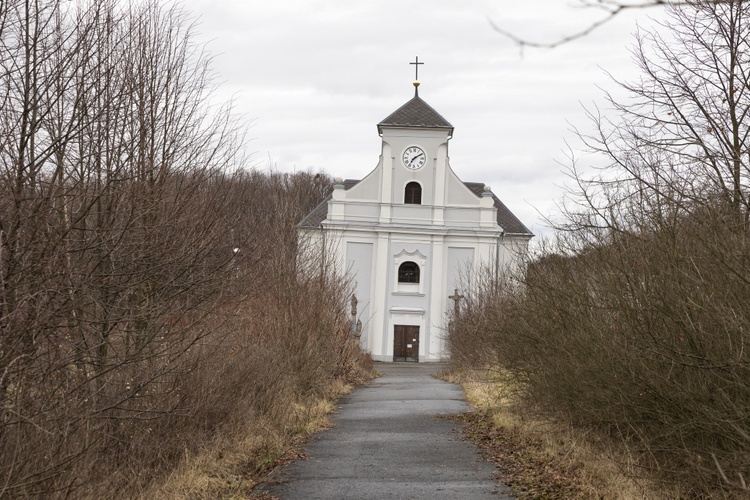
(235, 462)
(572, 463)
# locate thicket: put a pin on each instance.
(149, 289)
(634, 324)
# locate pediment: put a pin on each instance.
(416, 255)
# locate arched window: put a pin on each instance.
(413, 194)
(408, 272)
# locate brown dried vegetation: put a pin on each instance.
(633, 324)
(150, 299)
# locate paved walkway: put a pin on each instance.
(387, 443)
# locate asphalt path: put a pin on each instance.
(388, 442)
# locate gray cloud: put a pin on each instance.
(318, 75)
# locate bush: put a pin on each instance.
(141, 266)
(635, 322)
(642, 339)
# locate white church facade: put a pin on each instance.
(411, 233)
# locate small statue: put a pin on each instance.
(356, 324)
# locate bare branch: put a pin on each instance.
(611, 8)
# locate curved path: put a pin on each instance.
(387, 442)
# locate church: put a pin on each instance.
(410, 235)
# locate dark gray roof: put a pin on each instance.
(415, 113)
(505, 218)
(320, 212)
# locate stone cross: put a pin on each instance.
(455, 298)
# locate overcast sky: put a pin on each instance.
(316, 76)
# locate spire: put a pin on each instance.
(416, 114)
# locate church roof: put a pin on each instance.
(320, 212)
(505, 218)
(415, 113)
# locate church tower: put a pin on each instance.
(411, 233)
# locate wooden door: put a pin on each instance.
(405, 343)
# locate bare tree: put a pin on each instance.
(633, 324)
(682, 137)
(111, 254)
(149, 297)
(610, 10)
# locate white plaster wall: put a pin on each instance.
(447, 260)
(453, 232)
(458, 193)
(368, 189)
(430, 141)
(458, 267)
(434, 345)
(412, 214)
(359, 258)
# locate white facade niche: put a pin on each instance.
(409, 288)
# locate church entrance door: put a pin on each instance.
(405, 343)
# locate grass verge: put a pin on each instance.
(238, 459)
(543, 459)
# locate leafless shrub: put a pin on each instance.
(635, 322)
(148, 293)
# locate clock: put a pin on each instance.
(414, 157)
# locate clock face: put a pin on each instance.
(414, 157)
